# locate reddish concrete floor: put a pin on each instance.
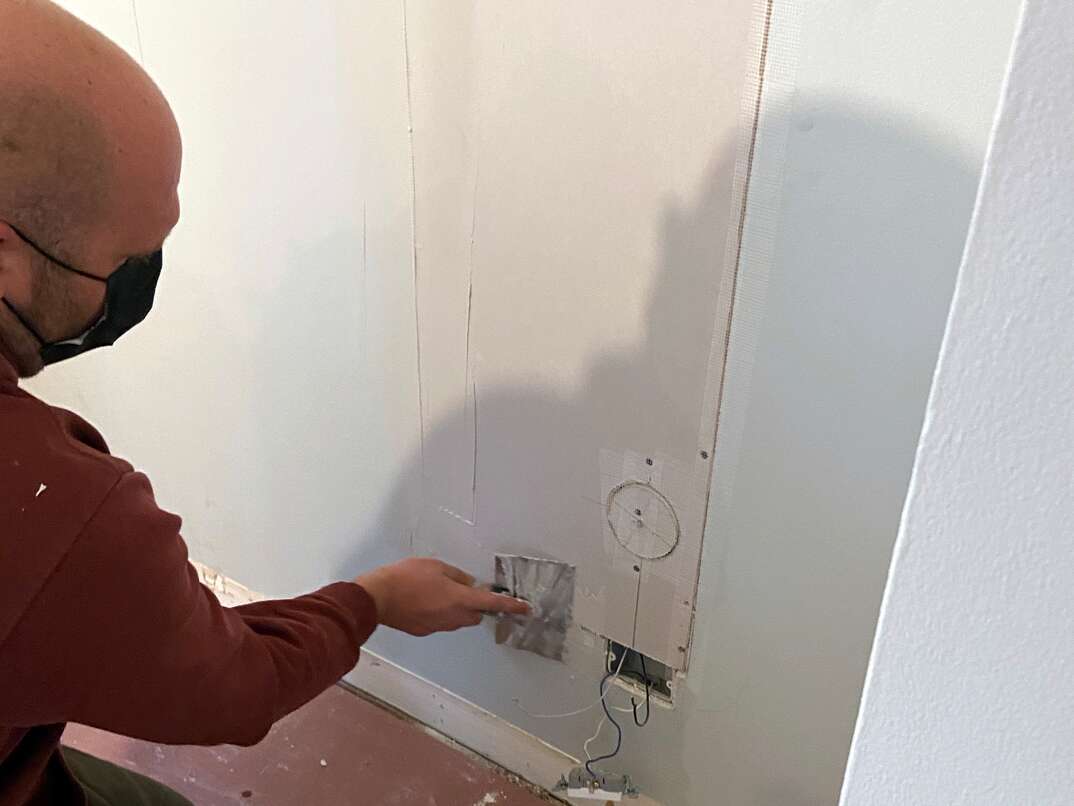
(339, 749)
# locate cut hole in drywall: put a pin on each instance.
(640, 672)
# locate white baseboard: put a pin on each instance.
(228, 592)
(446, 716)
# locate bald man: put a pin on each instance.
(102, 619)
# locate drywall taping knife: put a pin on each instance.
(548, 587)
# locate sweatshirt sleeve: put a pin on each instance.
(124, 637)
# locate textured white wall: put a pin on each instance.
(970, 694)
(863, 215)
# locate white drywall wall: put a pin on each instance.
(273, 395)
(970, 694)
(884, 139)
(567, 303)
(285, 286)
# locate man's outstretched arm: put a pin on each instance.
(124, 637)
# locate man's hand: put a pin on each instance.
(423, 596)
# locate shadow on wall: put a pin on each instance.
(872, 222)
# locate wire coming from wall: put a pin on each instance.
(590, 707)
(648, 704)
(607, 716)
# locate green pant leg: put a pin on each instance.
(107, 784)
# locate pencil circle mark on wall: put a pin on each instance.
(642, 519)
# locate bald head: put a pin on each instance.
(89, 164)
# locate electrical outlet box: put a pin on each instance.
(639, 672)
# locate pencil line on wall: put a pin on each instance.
(470, 381)
(414, 253)
(470, 270)
(637, 604)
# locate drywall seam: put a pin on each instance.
(441, 711)
(734, 243)
(719, 353)
(752, 241)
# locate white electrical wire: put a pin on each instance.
(603, 719)
(600, 726)
(589, 707)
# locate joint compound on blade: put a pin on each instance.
(548, 586)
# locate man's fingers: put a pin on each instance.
(456, 619)
(472, 619)
(488, 602)
(458, 575)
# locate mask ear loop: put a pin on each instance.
(33, 245)
(53, 259)
(23, 321)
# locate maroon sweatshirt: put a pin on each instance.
(104, 622)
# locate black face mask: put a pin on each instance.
(128, 298)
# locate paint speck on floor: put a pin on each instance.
(377, 758)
